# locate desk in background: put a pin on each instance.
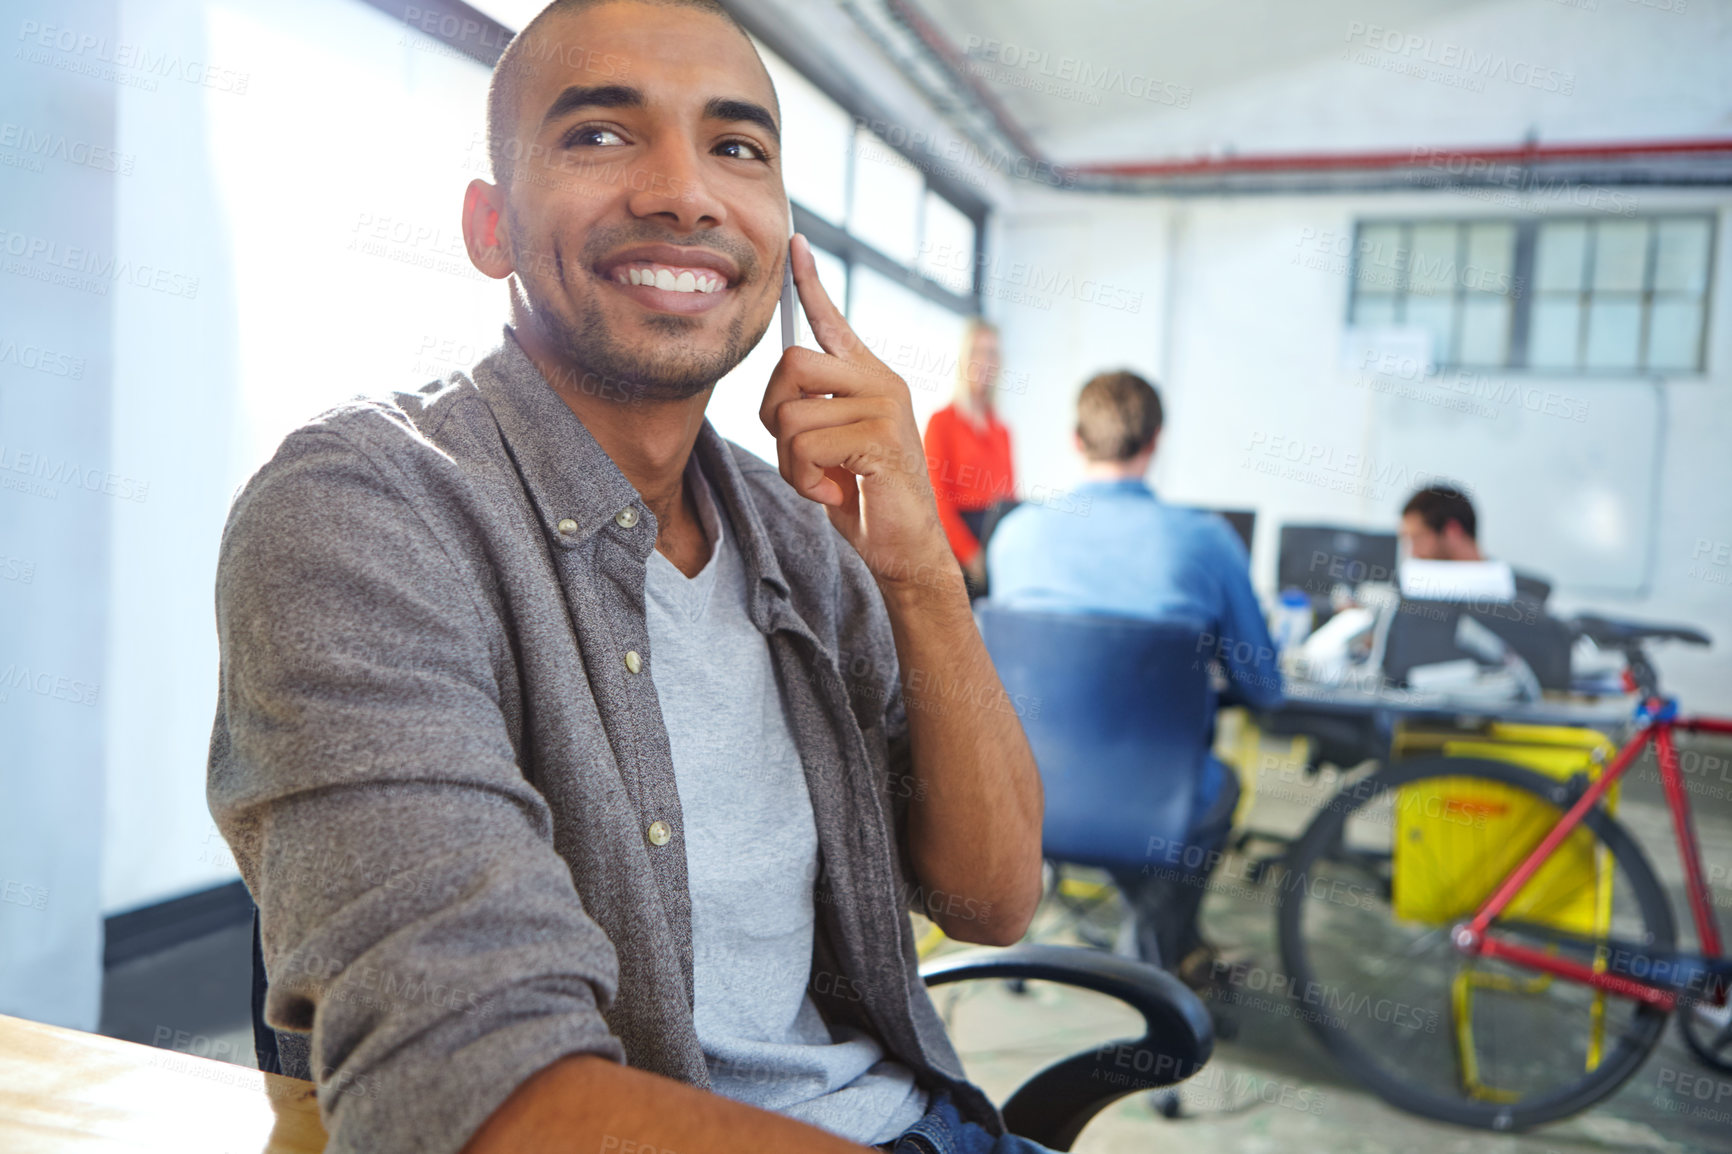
(1350, 725)
(1346, 726)
(62, 1090)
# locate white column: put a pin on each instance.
(57, 286)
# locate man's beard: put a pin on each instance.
(668, 369)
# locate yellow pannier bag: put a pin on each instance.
(1456, 839)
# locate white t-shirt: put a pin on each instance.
(752, 859)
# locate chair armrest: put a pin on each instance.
(1053, 1106)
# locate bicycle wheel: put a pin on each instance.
(1367, 900)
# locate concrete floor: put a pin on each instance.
(1269, 1090)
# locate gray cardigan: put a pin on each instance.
(452, 796)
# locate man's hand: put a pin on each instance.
(583, 1103)
(846, 438)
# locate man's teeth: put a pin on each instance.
(680, 281)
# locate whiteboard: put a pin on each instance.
(1561, 471)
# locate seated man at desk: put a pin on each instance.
(1438, 523)
(563, 744)
(1116, 548)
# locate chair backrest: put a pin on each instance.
(1423, 632)
(1530, 587)
(1119, 713)
(1542, 641)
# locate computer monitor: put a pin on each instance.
(1244, 522)
(1316, 558)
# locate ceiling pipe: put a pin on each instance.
(954, 62)
(1521, 155)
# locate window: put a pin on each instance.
(920, 343)
(818, 135)
(859, 198)
(1626, 295)
(885, 212)
(1452, 279)
(947, 245)
(1562, 296)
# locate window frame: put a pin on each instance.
(863, 111)
(1525, 293)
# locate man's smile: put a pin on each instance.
(671, 278)
(683, 280)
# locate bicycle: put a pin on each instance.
(1484, 943)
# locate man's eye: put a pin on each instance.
(740, 150)
(592, 136)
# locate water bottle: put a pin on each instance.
(1292, 623)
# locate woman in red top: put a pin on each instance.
(968, 451)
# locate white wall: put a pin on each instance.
(323, 220)
(1241, 321)
(297, 177)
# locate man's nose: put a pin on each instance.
(672, 184)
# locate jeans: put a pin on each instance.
(943, 1131)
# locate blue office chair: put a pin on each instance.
(1120, 715)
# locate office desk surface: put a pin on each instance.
(1351, 723)
(1598, 713)
(62, 1090)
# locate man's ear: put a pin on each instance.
(483, 221)
(1456, 538)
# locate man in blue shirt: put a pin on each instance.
(1116, 548)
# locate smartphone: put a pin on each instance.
(790, 300)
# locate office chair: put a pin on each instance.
(1530, 587)
(1424, 632)
(1120, 715)
(1054, 1105)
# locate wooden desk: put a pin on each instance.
(61, 1090)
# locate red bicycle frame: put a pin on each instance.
(1474, 937)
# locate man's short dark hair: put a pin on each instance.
(1438, 505)
(533, 43)
(1116, 416)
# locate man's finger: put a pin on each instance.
(796, 416)
(860, 435)
(807, 373)
(821, 463)
(828, 324)
(786, 382)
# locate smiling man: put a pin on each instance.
(584, 767)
